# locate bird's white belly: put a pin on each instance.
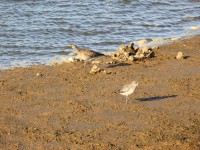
(127, 93)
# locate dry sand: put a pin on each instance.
(67, 108)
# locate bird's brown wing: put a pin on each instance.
(91, 53)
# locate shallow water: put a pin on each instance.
(34, 32)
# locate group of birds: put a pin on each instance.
(87, 55)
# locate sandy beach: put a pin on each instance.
(65, 107)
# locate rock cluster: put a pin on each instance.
(129, 52)
(95, 69)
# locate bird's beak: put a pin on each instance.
(66, 47)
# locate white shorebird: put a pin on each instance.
(128, 89)
(85, 54)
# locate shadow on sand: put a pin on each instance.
(116, 65)
(155, 98)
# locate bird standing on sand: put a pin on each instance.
(128, 89)
(85, 54)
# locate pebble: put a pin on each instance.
(71, 59)
(131, 58)
(180, 56)
(96, 62)
(145, 50)
(38, 74)
(155, 48)
(106, 72)
(111, 62)
(95, 69)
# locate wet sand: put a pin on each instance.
(65, 107)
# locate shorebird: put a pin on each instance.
(128, 89)
(85, 54)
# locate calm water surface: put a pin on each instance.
(33, 32)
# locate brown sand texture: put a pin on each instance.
(65, 107)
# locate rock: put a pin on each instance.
(136, 49)
(139, 55)
(122, 48)
(150, 54)
(111, 62)
(131, 58)
(180, 56)
(126, 54)
(95, 69)
(106, 72)
(132, 53)
(39, 74)
(130, 48)
(145, 50)
(123, 52)
(155, 48)
(96, 62)
(71, 59)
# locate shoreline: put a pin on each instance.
(153, 42)
(63, 106)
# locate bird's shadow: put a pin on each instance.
(155, 98)
(186, 57)
(116, 65)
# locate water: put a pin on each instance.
(33, 32)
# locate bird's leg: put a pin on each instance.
(126, 99)
(85, 62)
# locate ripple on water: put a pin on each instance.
(34, 32)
